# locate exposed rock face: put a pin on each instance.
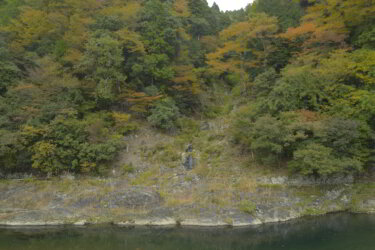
(132, 199)
(307, 181)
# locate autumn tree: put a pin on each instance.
(245, 45)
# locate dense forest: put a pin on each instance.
(76, 76)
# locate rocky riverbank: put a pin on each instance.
(86, 201)
(191, 179)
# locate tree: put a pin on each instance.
(102, 63)
(288, 12)
(9, 71)
(246, 44)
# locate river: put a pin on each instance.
(330, 232)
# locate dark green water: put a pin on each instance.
(333, 232)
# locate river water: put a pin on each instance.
(331, 232)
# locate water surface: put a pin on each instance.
(332, 232)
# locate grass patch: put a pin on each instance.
(147, 178)
(272, 186)
(245, 184)
(128, 168)
(180, 200)
(361, 192)
(311, 211)
(247, 206)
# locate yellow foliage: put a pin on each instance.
(127, 13)
(229, 56)
(31, 26)
(30, 131)
(121, 118)
(338, 14)
(210, 43)
(340, 64)
(77, 34)
(184, 73)
(235, 30)
(328, 21)
(262, 26)
(132, 39)
(84, 7)
(181, 8)
(364, 65)
(186, 79)
(73, 55)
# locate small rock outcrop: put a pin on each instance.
(188, 159)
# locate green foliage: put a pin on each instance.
(366, 39)
(301, 76)
(102, 63)
(128, 168)
(297, 89)
(289, 12)
(9, 9)
(164, 115)
(318, 160)
(9, 72)
(264, 83)
(310, 145)
(72, 145)
(273, 139)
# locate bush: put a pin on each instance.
(318, 160)
(68, 144)
(271, 138)
(310, 143)
(165, 114)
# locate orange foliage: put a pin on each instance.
(301, 30)
(309, 116)
(329, 21)
(139, 101)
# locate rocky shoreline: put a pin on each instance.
(72, 202)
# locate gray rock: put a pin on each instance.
(334, 194)
(86, 202)
(189, 162)
(132, 199)
(189, 148)
(204, 126)
(279, 180)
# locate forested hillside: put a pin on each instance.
(76, 76)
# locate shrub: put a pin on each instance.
(165, 114)
(73, 145)
(271, 138)
(316, 159)
(128, 168)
